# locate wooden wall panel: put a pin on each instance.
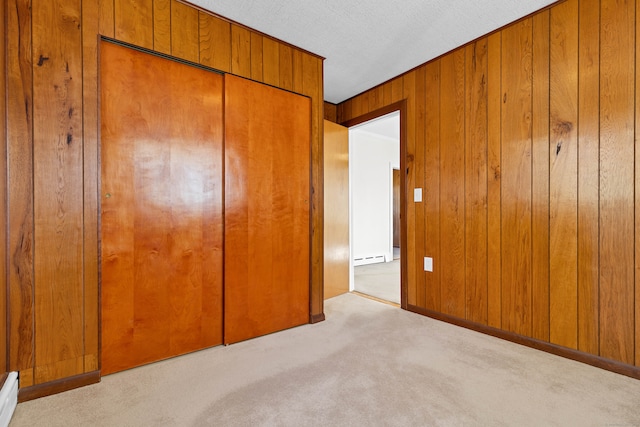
(637, 200)
(67, 31)
(271, 58)
(452, 226)
(107, 18)
(540, 179)
(330, 111)
(257, 58)
(162, 26)
(516, 178)
(185, 35)
(563, 179)
(286, 67)
(3, 194)
(240, 51)
(617, 82)
(20, 183)
(134, 22)
(494, 219)
(58, 189)
(588, 177)
(432, 185)
(215, 42)
(90, 24)
(409, 85)
(419, 173)
(475, 185)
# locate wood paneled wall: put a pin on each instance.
(3, 199)
(52, 156)
(524, 142)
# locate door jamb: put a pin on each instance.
(400, 106)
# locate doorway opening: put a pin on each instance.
(375, 193)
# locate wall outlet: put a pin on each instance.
(428, 263)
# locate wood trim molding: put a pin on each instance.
(317, 318)
(579, 356)
(58, 386)
(3, 379)
(400, 106)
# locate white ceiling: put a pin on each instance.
(367, 42)
(387, 126)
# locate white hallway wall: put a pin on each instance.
(372, 157)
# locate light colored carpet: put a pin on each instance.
(368, 364)
(380, 280)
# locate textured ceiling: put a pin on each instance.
(367, 42)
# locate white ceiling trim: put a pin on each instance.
(367, 42)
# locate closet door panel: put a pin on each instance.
(161, 207)
(267, 194)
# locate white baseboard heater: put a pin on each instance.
(368, 260)
(8, 398)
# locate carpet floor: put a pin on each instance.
(368, 364)
(380, 280)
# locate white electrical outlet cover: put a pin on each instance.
(428, 264)
(417, 194)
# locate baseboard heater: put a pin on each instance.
(8, 398)
(368, 260)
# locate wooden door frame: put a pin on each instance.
(400, 106)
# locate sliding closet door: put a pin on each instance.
(267, 193)
(161, 225)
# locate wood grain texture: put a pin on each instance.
(266, 260)
(20, 183)
(162, 26)
(257, 62)
(419, 182)
(313, 88)
(432, 184)
(516, 178)
(3, 193)
(588, 177)
(452, 226)
(637, 200)
(298, 74)
(58, 189)
(475, 197)
(494, 219)
(336, 209)
(215, 42)
(147, 24)
(563, 179)
(107, 18)
(409, 85)
(271, 58)
(240, 51)
(330, 111)
(286, 67)
(569, 86)
(134, 22)
(617, 80)
(185, 35)
(540, 178)
(376, 98)
(90, 114)
(161, 185)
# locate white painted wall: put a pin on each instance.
(372, 158)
